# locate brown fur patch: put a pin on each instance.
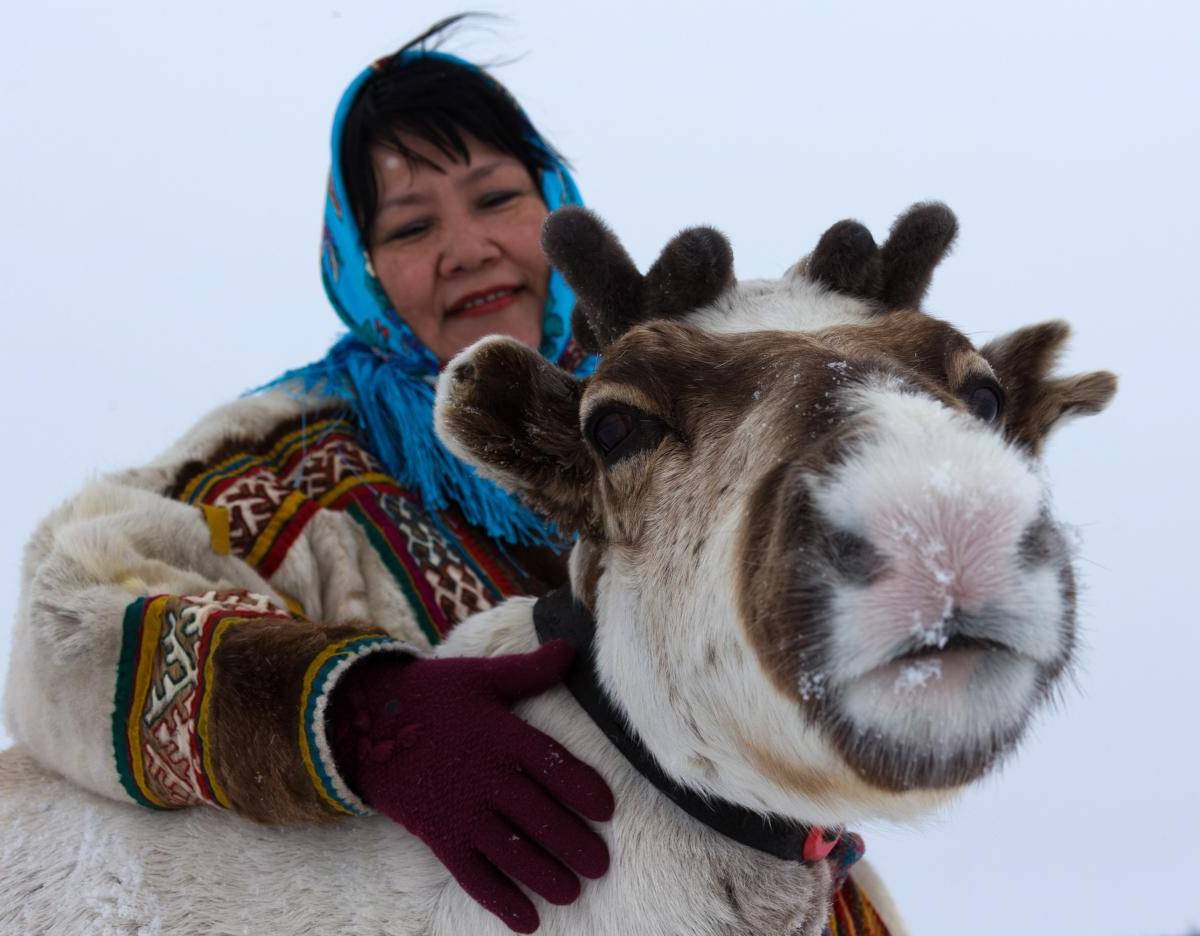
(518, 415)
(786, 774)
(589, 558)
(255, 716)
(966, 364)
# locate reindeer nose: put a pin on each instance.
(1042, 543)
(853, 557)
(464, 372)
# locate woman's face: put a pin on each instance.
(457, 250)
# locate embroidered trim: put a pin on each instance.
(257, 505)
(217, 519)
(320, 678)
(280, 457)
(853, 914)
(384, 537)
(257, 499)
(162, 706)
(126, 730)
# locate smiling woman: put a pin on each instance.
(261, 604)
(455, 244)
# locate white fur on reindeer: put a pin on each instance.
(825, 584)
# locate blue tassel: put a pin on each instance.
(395, 409)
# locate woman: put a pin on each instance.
(260, 600)
(246, 622)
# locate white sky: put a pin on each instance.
(162, 173)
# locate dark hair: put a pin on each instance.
(439, 102)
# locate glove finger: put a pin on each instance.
(564, 775)
(495, 892)
(513, 854)
(520, 675)
(532, 810)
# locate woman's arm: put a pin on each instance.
(183, 629)
(151, 663)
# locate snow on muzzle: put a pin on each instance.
(968, 612)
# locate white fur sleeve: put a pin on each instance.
(79, 662)
(83, 567)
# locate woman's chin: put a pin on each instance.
(521, 320)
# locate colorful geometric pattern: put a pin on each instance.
(257, 500)
(251, 510)
(853, 914)
(161, 715)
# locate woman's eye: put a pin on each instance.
(619, 432)
(496, 199)
(408, 231)
(986, 402)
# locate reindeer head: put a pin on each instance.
(823, 568)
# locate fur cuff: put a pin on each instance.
(323, 673)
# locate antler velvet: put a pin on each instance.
(611, 295)
(896, 275)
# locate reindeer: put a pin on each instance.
(816, 582)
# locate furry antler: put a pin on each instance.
(897, 275)
(611, 295)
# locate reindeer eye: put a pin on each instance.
(611, 429)
(618, 432)
(986, 401)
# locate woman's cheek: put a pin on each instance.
(409, 292)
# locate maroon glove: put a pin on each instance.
(432, 744)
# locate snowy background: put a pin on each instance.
(162, 174)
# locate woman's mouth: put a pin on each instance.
(485, 302)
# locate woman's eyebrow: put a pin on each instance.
(481, 171)
(400, 201)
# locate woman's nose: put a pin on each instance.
(468, 247)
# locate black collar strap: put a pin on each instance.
(558, 616)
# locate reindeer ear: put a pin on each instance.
(1037, 402)
(692, 271)
(508, 411)
(918, 241)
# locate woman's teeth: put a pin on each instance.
(484, 300)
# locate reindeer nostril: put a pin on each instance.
(1041, 543)
(464, 371)
(853, 556)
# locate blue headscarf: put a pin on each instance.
(389, 376)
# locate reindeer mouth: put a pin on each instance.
(956, 643)
(949, 666)
(937, 715)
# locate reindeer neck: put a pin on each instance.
(558, 616)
